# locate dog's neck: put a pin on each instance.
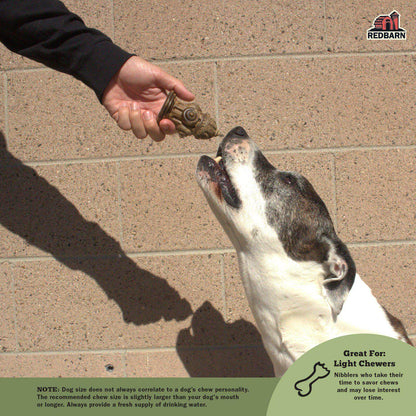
(290, 308)
(284, 296)
(292, 278)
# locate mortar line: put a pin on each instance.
(184, 252)
(381, 243)
(343, 149)
(147, 361)
(224, 295)
(216, 93)
(113, 21)
(334, 192)
(63, 352)
(29, 69)
(325, 28)
(120, 218)
(195, 347)
(124, 362)
(13, 288)
(160, 253)
(284, 56)
(6, 108)
(187, 252)
(143, 350)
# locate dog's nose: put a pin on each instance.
(236, 145)
(237, 132)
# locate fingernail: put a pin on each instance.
(166, 128)
(147, 115)
(135, 106)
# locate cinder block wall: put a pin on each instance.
(111, 264)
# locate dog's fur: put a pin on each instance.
(299, 277)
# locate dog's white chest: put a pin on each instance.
(292, 316)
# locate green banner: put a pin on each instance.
(153, 396)
(356, 374)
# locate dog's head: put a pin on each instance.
(264, 210)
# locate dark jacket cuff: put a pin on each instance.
(100, 65)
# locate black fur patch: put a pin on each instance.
(301, 219)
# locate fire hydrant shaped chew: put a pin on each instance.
(304, 387)
(188, 118)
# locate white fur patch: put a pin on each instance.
(362, 313)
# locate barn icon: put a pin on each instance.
(387, 27)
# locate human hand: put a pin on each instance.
(136, 94)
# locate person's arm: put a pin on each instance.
(47, 32)
(131, 89)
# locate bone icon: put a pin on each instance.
(304, 387)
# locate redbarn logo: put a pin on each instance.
(387, 27)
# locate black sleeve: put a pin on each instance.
(47, 32)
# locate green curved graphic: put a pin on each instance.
(366, 374)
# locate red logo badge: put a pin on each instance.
(387, 27)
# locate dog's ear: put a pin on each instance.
(340, 274)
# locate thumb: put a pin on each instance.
(170, 83)
(182, 92)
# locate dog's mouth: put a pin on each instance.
(220, 182)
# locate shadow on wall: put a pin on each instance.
(36, 211)
(209, 328)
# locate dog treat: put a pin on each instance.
(188, 118)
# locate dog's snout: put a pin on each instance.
(236, 145)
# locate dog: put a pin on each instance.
(299, 277)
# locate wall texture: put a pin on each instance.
(109, 254)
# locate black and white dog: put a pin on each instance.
(299, 277)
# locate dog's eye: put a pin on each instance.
(288, 179)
